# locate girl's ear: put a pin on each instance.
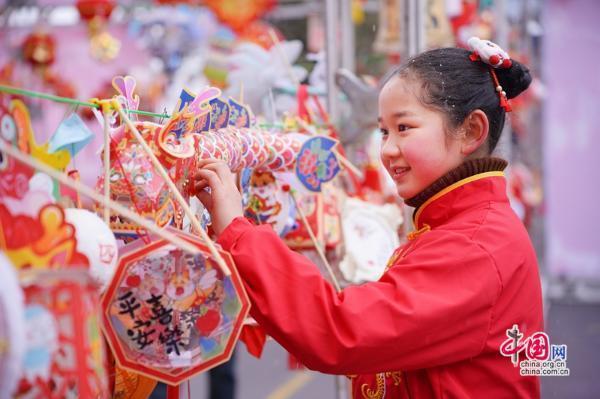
(476, 128)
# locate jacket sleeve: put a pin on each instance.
(431, 308)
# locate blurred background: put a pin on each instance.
(275, 54)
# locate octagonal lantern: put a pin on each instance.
(169, 314)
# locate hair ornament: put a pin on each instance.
(493, 55)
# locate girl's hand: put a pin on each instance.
(224, 202)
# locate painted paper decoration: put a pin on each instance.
(219, 114)
(14, 176)
(72, 135)
(168, 314)
(312, 207)
(65, 355)
(12, 329)
(44, 241)
(97, 242)
(371, 235)
(317, 163)
(267, 203)
(239, 115)
(16, 127)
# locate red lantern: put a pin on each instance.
(39, 49)
(89, 9)
(238, 14)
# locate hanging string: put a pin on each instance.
(72, 101)
(78, 103)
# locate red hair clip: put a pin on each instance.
(493, 55)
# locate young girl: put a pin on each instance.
(432, 326)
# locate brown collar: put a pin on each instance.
(464, 170)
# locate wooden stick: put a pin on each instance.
(88, 192)
(286, 63)
(106, 161)
(174, 190)
(334, 280)
(343, 160)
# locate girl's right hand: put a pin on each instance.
(224, 202)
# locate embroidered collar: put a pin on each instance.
(467, 172)
(466, 169)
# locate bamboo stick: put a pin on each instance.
(88, 192)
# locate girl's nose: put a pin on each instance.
(390, 149)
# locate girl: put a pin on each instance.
(433, 325)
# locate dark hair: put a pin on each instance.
(455, 85)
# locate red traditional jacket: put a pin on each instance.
(432, 326)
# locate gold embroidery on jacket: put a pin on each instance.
(396, 376)
(379, 393)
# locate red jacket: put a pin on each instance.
(432, 325)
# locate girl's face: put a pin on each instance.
(415, 150)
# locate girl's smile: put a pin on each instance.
(416, 150)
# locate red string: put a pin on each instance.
(503, 100)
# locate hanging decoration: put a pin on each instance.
(12, 329)
(238, 14)
(64, 347)
(187, 137)
(103, 46)
(16, 129)
(169, 314)
(96, 241)
(39, 51)
(367, 225)
(268, 203)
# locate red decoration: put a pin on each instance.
(39, 49)
(63, 323)
(168, 314)
(258, 32)
(89, 9)
(255, 337)
(238, 14)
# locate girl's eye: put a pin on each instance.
(384, 132)
(402, 128)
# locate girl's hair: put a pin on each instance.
(452, 83)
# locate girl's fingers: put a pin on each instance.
(213, 180)
(219, 167)
(206, 199)
(200, 186)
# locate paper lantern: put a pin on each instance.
(90, 9)
(168, 314)
(12, 327)
(39, 49)
(65, 354)
(96, 241)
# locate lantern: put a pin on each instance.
(169, 314)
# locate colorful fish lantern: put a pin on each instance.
(201, 126)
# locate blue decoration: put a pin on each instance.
(317, 163)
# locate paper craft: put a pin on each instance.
(169, 314)
(65, 355)
(97, 242)
(71, 135)
(317, 163)
(12, 329)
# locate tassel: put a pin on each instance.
(254, 336)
